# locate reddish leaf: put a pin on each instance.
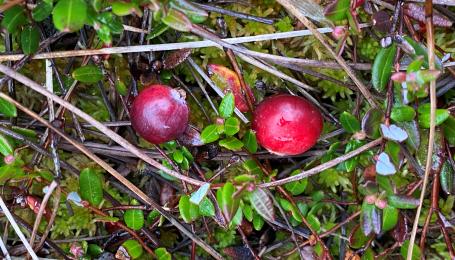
(417, 12)
(35, 203)
(400, 230)
(228, 80)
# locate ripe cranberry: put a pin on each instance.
(287, 125)
(159, 114)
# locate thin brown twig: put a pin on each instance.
(324, 166)
(429, 161)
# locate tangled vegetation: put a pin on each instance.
(78, 182)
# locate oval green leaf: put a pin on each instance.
(134, 218)
(349, 122)
(262, 203)
(30, 37)
(91, 186)
(88, 74)
(402, 202)
(402, 113)
(382, 67)
(69, 15)
(133, 248)
(13, 18)
(42, 10)
(231, 143)
(7, 109)
(231, 126)
(250, 142)
(188, 211)
(227, 105)
(5, 147)
(210, 134)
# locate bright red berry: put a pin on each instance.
(287, 125)
(159, 114)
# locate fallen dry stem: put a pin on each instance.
(324, 166)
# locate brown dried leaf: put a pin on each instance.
(174, 58)
(191, 137)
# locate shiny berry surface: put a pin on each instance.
(286, 124)
(159, 114)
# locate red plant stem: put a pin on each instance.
(120, 225)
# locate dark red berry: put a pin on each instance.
(159, 114)
(287, 125)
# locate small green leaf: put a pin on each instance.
(424, 116)
(94, 250)
(258, 222)
(8, 172)
(162, 254)
(250, 142)
(7, 109)
(412, 129)
(177, 155)
(134, 218)
(91, 186)
(188, 211)
(247, 212)
(133, 248)
(195, 14)
(382, 67)
(371, 122)
(42, 11)
(357, 239)
(349, 122)
(447, 178)
(5, 147)
(402, 202)
(314, 222)
(200, 194)
(206, 208)
(121, 8)
(177, 21)
(231, 126)
(449, 130)
(227, 105)
(262, 203)
(237, 219)
(226, 201)
(69, 15)
(157, 31)
(210, 134)
(389, 218)
(296, 187)
(13, 18)
(30, 40)
(416, 254)
(337, 10)
(231, 143)
(88, 74)
(402, 113)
